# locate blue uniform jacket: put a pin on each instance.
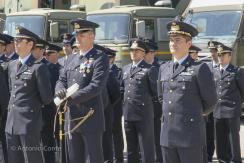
(29, 90)
(230, 91)
(185, 95)
(91, 73)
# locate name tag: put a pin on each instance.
(186, 73)
(141, 73)
(27, 73)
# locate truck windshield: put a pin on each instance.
(216, 24)
(112, 27)
(33, 23)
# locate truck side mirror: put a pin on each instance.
(1, 26)
(54, 32)
(140, 28)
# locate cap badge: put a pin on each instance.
(175, 27)
(77, 26)
(220, 49)
(134, 45)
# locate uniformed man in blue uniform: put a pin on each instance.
(212, 45)
(109, 95)
(193, 51)
(4, 98)
(186, 90)
(113, 90)
(3, 43)
(48, 111)
(89, 69)
(52, 53)
(4, 91)
(66, 40)
(4, 61)
(10, 51)
(73, 45)
(151, 58)
(118, 141)
(139, 81)
(230, 90)
(39, 50)
(29, 90)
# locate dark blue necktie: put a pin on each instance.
(176, 65)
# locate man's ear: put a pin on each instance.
(189, 43)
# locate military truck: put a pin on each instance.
(47, 23)
(2, 20)
(118, 25)
(219, 21)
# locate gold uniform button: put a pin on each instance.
(170, 102)
(171, 80)
(171, 91)
(170, 113)
(128, 98)
(128, 91)
(25, 84)
(192, 120)
(220, 99)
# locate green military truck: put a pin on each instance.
(49, 24)
(219, 21)
(118, 25)
(2, 20)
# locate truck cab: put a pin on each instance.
(218, 21)
(118, 25)
(47, 23)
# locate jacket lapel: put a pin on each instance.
(171, 69)
(181, 66)
(137, 69)
(25, 66)
(226, 72)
